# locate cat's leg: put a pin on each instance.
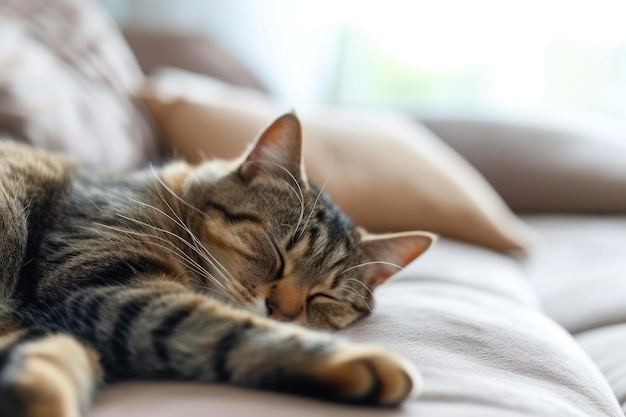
(159, 330)
(49, 376)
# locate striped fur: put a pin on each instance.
(186, 273)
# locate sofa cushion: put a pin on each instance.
(544, 164)
(605, 346)
(578, 268)
(385, 171)
(66, 78)
(483, 349)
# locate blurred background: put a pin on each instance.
(555, 56)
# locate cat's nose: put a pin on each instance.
(275, 312)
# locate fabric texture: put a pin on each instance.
(386, 172)
(66, 78)
(544, 164)
(578, 269)
(605, 346)
(155, 48)
(484, 349)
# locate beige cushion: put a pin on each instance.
(386, 172)
(66, 83)
(481, 345)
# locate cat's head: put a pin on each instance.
(281, 247)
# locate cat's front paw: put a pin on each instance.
(365, 375)
(48, 377)
(30, 395)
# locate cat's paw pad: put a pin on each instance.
(368, 376)
(35, 394)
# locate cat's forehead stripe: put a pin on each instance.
(230, 215)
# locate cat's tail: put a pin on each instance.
(52, 375)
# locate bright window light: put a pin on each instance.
(554, 54)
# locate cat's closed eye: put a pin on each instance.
(320, 296)
(279, 268)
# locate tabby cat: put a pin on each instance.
(187, 273)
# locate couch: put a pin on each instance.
(518, 310)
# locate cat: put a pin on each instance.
(209, 273)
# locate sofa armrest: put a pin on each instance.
(542, 164)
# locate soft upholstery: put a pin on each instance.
(384, 171)
(606, 347)
(155, 48)
(483, 348)
(66, 78)
(549, 164)
(579, 272)
(579, 269)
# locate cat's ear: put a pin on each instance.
(277, 151)
(392, 252)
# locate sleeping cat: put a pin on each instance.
(208, 273)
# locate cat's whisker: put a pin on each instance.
(343, 291)
(348, 290)
(239, 295)
(185, 242)
(214, 279)
(203, 156)
(300, 197)
(362, 284)
(353, 291)
(156, 228)
(177, 197)
(193, 266)
(203, 273)
(330, 170)
(301, 204)
(179, 222)
(371, 263)
(197, 244)
(188, 260)
(196, 268)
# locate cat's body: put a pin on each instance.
(173, 273)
